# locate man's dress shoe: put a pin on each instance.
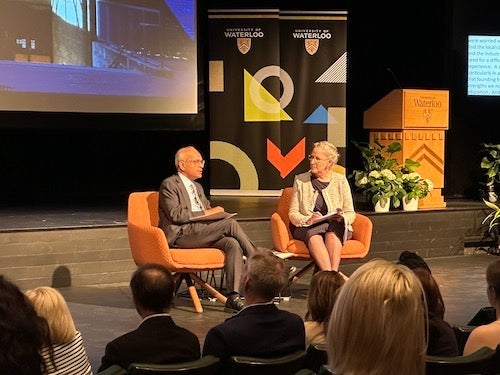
(234, 302)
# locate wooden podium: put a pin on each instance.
(418, 120)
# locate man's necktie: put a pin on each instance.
(197, 201)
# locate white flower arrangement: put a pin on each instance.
(415, 186)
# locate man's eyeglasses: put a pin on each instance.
(195, 161)
(314, 158)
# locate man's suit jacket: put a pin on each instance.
(174, 206)
(259, 331)
(157, 340)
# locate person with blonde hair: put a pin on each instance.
(378, 323)
(322, 293)
(317, 193)
(66, 354)
(488, 334)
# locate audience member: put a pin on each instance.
(377, 323)
(316, 193)
(412, 260)
(22, 333)
(320, 299)
(66, 354)
(181, 198)
(260, 329)
(488, 334)
(158, 339)
(442, 339)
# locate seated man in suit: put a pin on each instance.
(158, 339)
(181, 198)
(260, 329)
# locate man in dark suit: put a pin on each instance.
(158, 339)
(181, 199)
(261, 329)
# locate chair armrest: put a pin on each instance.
(280, 232)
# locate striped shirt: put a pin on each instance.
(69, 358)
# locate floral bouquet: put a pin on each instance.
(379, 186)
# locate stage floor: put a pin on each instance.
(61, 217)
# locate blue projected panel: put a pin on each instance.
(483, 74)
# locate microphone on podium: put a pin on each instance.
(394, 77)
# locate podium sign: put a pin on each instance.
(418, 120)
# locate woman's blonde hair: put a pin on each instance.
(51, 305)
(378, 323)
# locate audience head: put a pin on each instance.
(152, 287)
(22, 332)
(51, 305)
(435, 302)
(412, 260)
(264, 276)
(378, 322)
(322, 294)
(493, 281)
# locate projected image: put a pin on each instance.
(117, 56)
(483, 73)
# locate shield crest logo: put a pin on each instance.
(244, 45)
(427, 115)
(312, 46)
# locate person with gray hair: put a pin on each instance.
(181, 201)
(317, 193)
(261, 329)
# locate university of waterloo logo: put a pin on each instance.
(244, 36)
(311, 46)
(244, 45)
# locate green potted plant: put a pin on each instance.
(415, 186)
(491, 163)
(493, 221)
(380, 180)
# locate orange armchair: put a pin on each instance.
(148, 244)
(357, 247)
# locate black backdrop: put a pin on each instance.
(43, 162)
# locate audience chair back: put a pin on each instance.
(316, 356)
(481, 361)
(284, 365)
(355, 248)
(206, 365)
(113, 370)
(148, 244)
(462, 334)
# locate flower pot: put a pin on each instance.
(491, 195)
(410, 205)
(380, 208)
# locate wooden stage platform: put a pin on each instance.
(78, 246)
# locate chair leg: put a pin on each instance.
(178, 281)
(192, 291)
(214, 292)
(301, 273)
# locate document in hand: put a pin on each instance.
(332, 215)
(215, 216)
